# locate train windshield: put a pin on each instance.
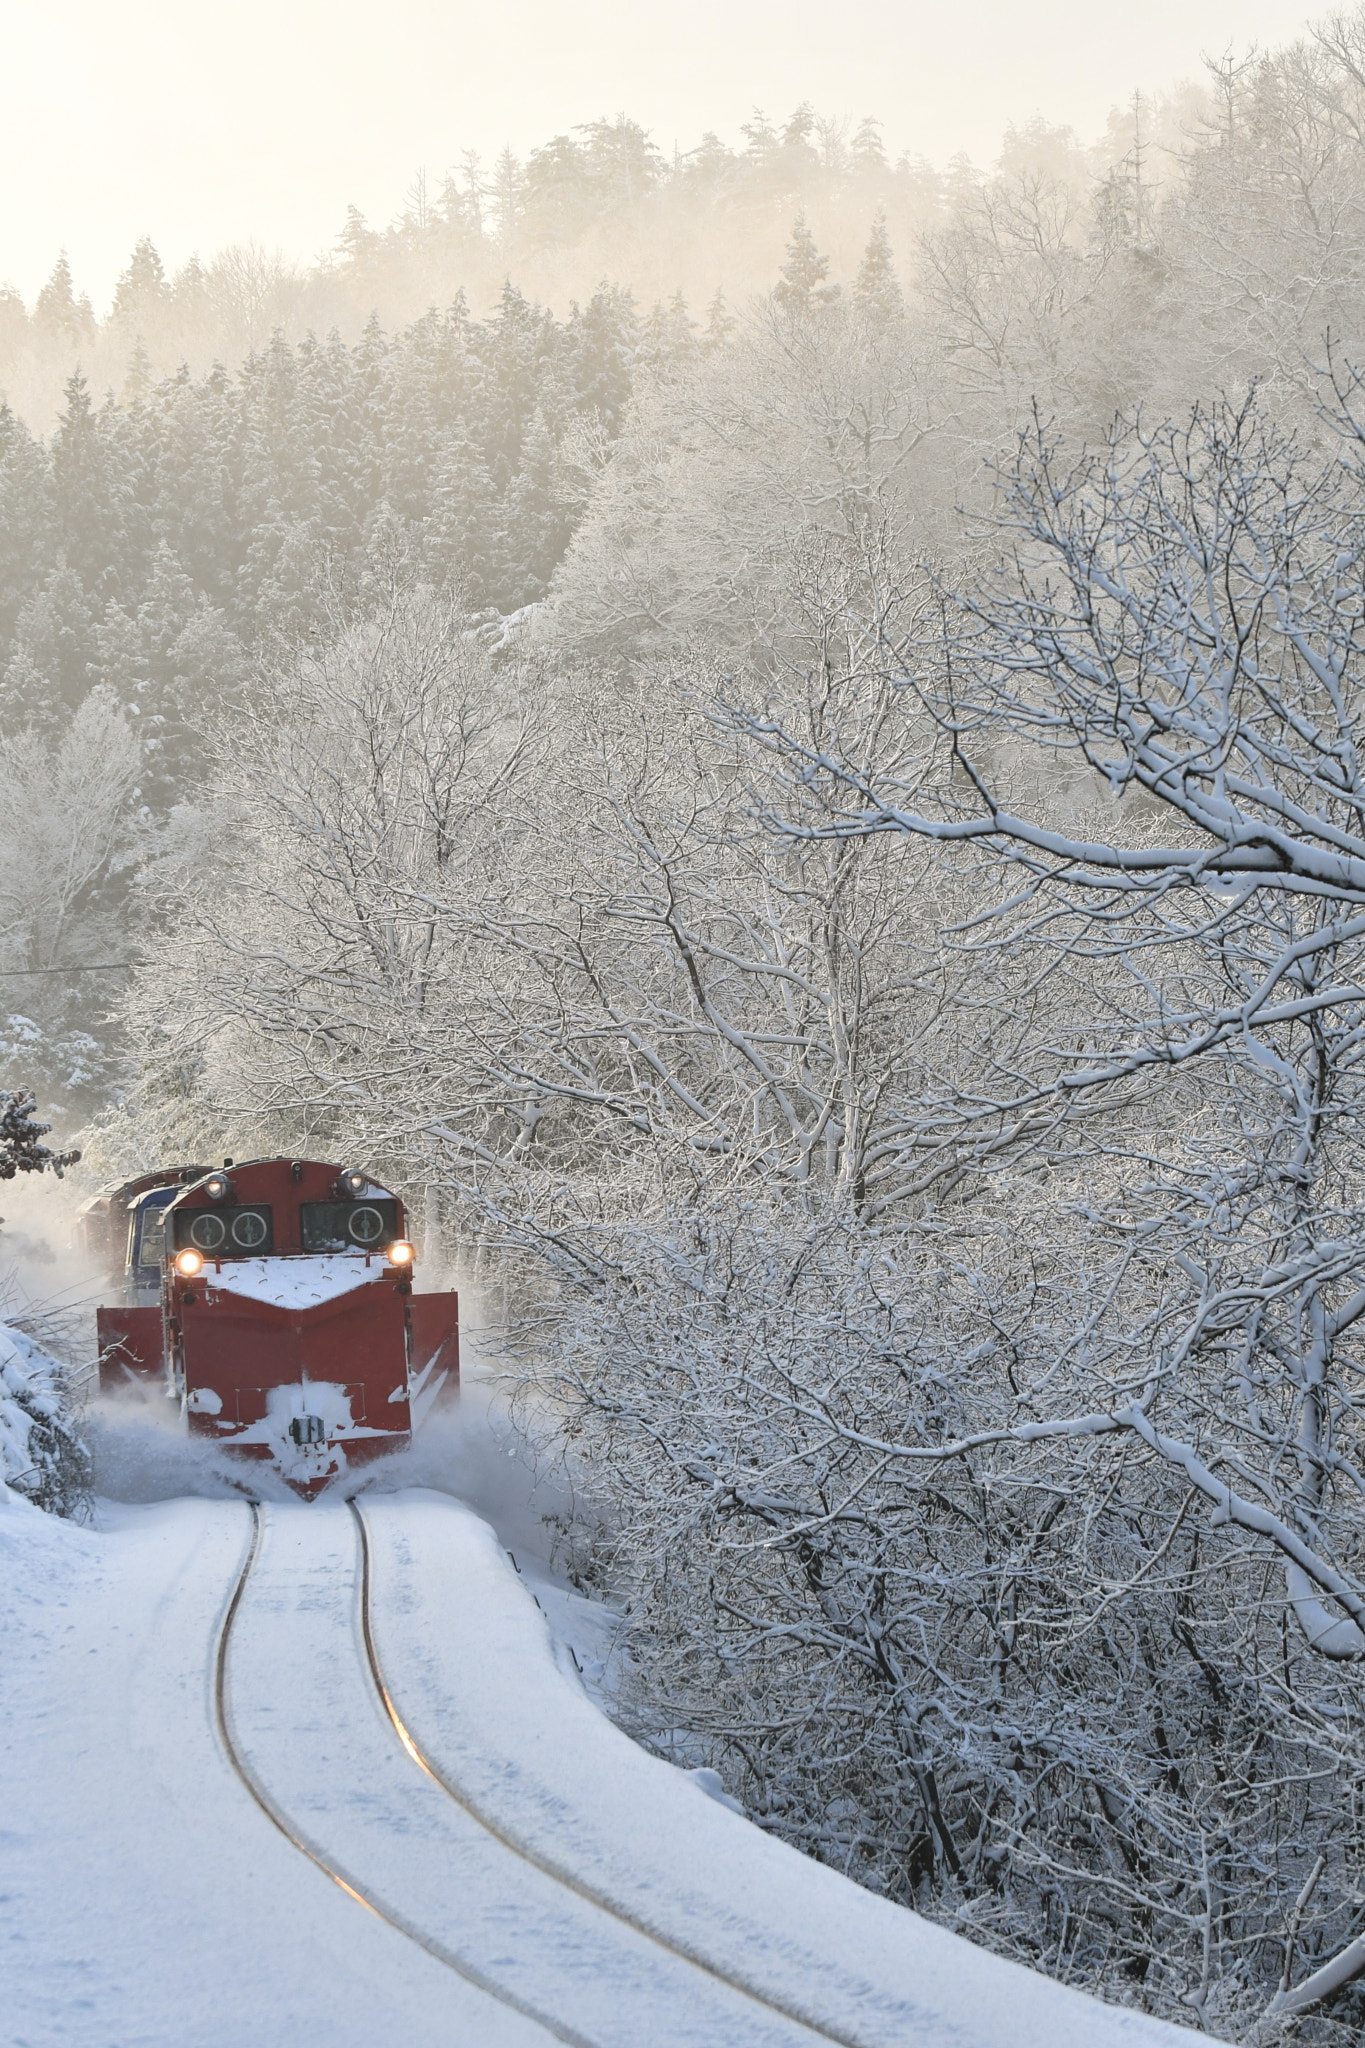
(227, 1231)
(348, 1226)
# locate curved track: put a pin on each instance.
(273, 1813)
(548, 1866)
(531, 1933)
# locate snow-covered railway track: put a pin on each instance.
(549, 1866)
(167, 1686)
(278, 1817)
(330, 1760)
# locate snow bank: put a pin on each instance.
(41, 1454)
(29, 1396)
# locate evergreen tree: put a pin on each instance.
(464, 532)
(51, 661)
(164, 662)
(357, 241)
(622, 163)
(189, 292)
(603, 338)
(801, 288)
(877, 291)
(668, 338)
(14, 324)
(89, 494)
(798, 151)
(762, 140)
(459, 210)
(866, 151)
(507, 195)
(26, 519)
(539, 519)
(138, 380)
(720, 324)
(59, 315)
(558, 192)
(21, 1135)
(710, 165)
(142, 293)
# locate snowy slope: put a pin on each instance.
(529, 1874)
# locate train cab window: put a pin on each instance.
(151, 1236)
(348, 1226)
(147, 1229)
(236, 1231)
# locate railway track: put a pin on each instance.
(353, 1888)
(592, 1974)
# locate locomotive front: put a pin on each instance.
(287, 1327)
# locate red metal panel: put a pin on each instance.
(237, 1348)
(436, 1333)
(130, 1345)
(230, 1341)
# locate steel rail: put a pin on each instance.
(550, 1866)
(471, 1972)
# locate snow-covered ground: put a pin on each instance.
(485, 1861)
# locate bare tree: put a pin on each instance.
(1177, 621)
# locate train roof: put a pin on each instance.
(124, 1193)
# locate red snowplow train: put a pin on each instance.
(273, 1301)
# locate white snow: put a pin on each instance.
(301, 1282)
(424, 1392)
(27, 1389)
(151, 1902)
(487, 1699)
(331, 1404)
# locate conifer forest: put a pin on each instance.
(772, 734)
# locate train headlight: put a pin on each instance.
(189, 1262)
(353, 1181)
(217, 1187)
(400, 1252)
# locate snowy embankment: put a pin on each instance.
(40, 1454)
(28, 1399)
(531, 1875)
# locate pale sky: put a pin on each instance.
(201, 125)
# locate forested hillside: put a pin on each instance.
(819, 835)
(600, 202)
(150, 549)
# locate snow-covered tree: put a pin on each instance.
(21, 1139)
(803, 285)
(142, 293)
(41, 1452)
(67, 836)
(876, 290)
(1147, 725)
